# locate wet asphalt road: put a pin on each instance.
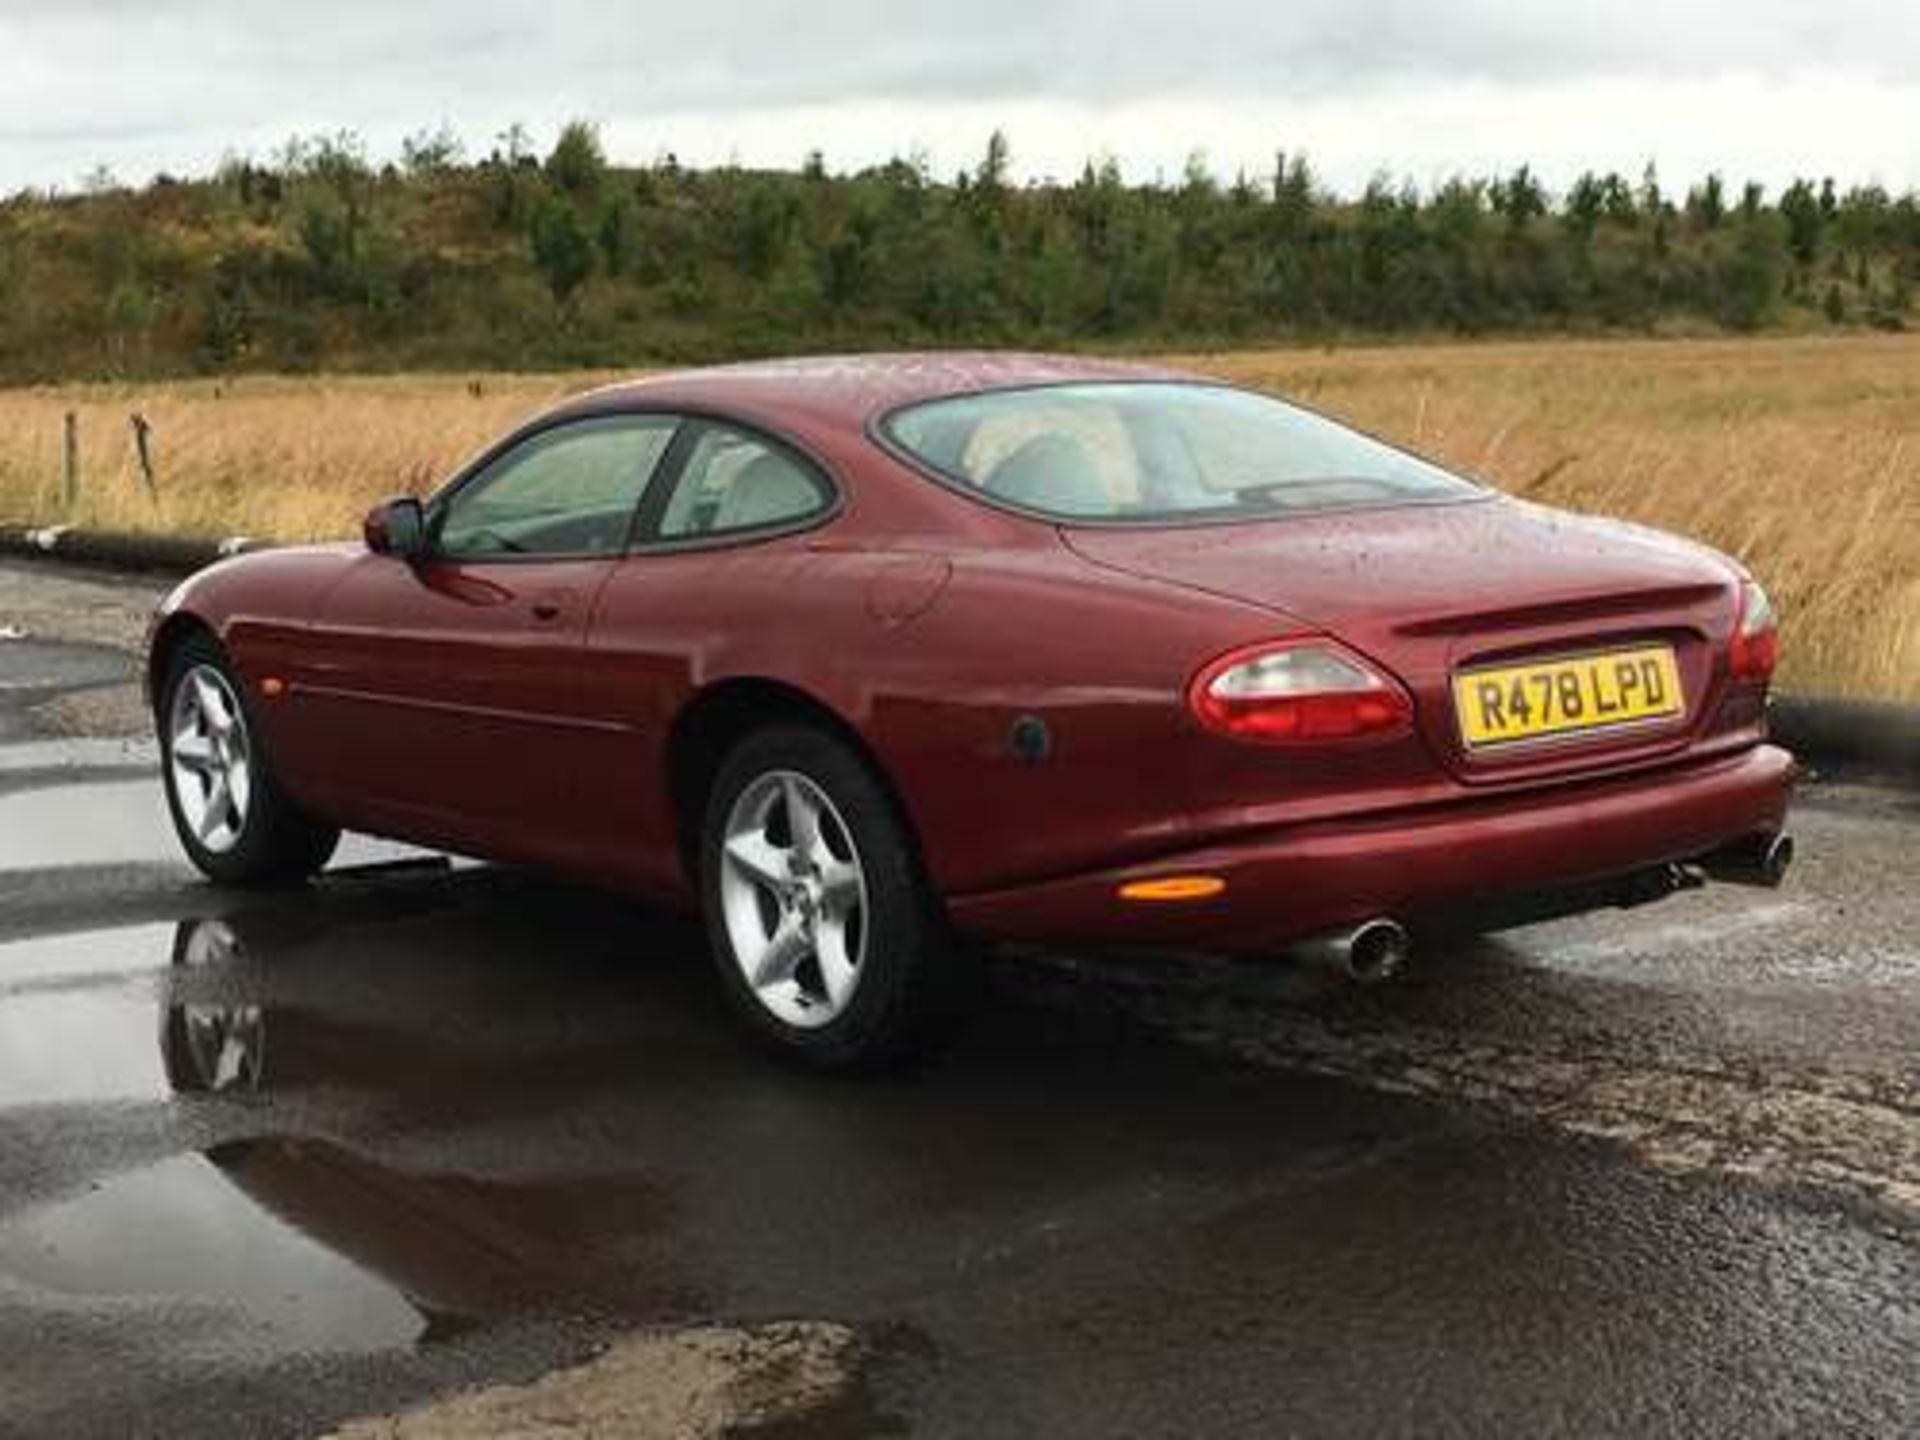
(268, 1164)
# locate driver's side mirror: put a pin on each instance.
(397, 527)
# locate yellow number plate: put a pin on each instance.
(1566, 696)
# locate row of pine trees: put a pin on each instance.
(322, 258)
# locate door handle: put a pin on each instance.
(551, 605)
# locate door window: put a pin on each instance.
(571, 490)
(734, 481)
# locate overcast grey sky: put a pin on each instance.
(1418, 88)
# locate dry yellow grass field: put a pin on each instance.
(1800, 456)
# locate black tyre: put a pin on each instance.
(826, 934)
(235, 820)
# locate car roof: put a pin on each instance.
(850, 390)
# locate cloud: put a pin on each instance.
(174, 83)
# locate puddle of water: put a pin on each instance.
(184, 1230)
(119, 823)
(324, 1249)
(89, 954)
(80, 1047)
(108, 824)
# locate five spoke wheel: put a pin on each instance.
(211, 758)
(793, 894)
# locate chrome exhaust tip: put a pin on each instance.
(1762, 859)
(1779, 857)
(1371, 953)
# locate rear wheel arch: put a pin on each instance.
(717, 719)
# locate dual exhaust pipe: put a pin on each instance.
(1760, 859)
(1377, 951)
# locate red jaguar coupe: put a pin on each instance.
(868, 654)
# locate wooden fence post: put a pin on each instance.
(143, 448)
(71, 473)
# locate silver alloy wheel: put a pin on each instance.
(793, 895)
(210, 758)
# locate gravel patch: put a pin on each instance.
(86, 608)
(688, 1383)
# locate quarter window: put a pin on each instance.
(734, 481)
(567, 491)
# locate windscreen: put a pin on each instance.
(1159, 453)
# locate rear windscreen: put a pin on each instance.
(1154, 452)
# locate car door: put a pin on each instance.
(442, 700)
(720, 558)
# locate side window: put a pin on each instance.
(571, 490)
(733, 481)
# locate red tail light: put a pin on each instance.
(1298, 691)
(1755, 647)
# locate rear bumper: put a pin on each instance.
(1310, 878)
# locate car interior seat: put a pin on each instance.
(769, 488)
(1053, 473)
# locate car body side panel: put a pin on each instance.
(932, 658)
(445, 698)
(668, 625)
(260, 607)
(1034, 721)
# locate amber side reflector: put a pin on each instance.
(272, 688)
(1174, 887)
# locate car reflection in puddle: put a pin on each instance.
(320, 1248)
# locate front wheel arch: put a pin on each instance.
(173, 631)
(276, 842)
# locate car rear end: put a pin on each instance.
(1513, 750)
(1459, 702)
